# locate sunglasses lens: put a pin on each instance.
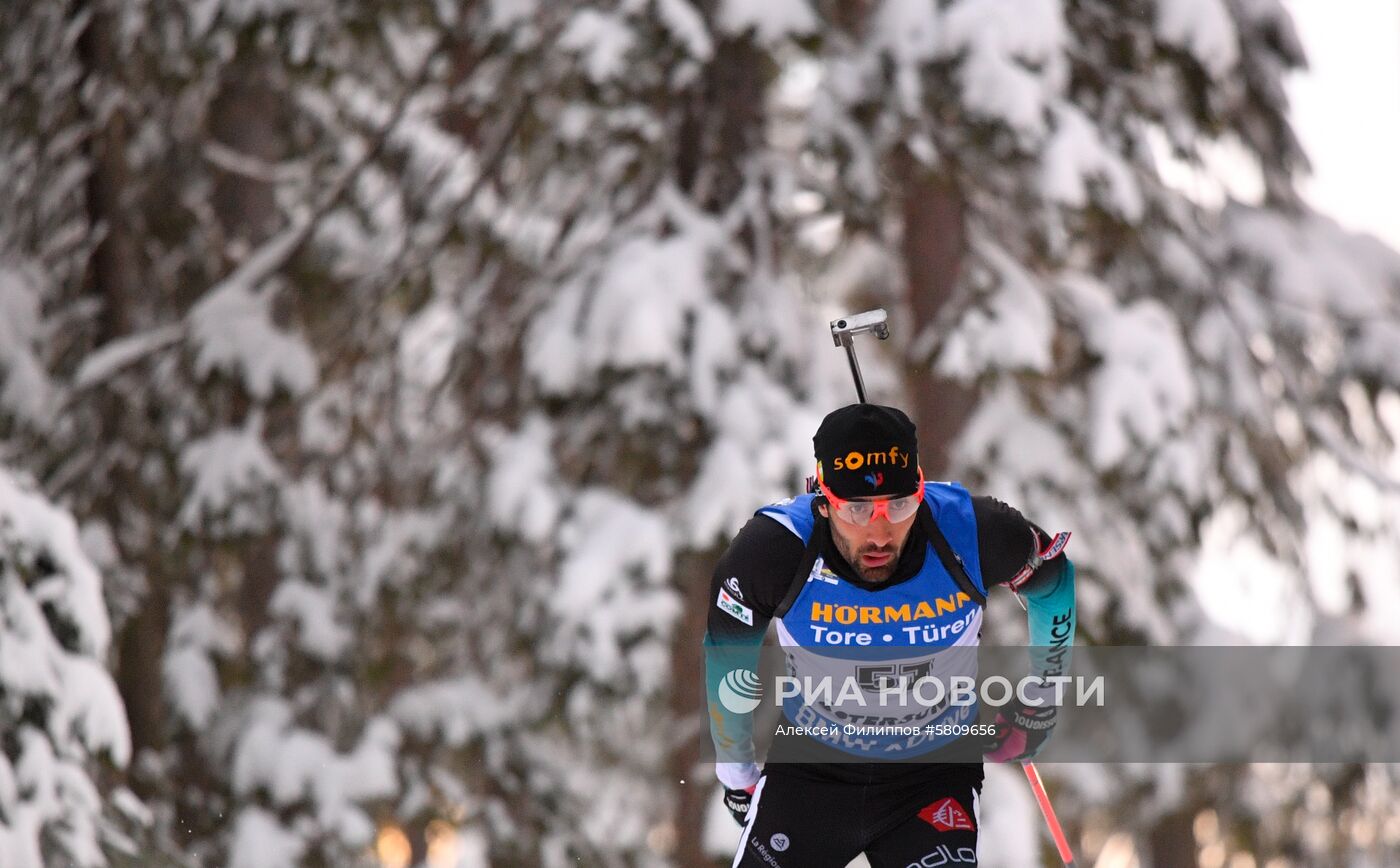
(901, 509)
(858, 513)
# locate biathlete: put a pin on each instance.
(877, 574)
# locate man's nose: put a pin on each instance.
(880, 532)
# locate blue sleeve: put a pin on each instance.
(731, 673)
(1050, 618)
(749, 582)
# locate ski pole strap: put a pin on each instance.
(1051, 550)
(949, 558)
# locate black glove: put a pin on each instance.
(1020, 735)
(738, 802)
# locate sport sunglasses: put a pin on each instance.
(863, 512)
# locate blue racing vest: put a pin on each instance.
(847, 646)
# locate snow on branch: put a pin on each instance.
(122, 352)
(59, 708)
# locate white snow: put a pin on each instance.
(1144, 387)
(682, 19)
(26, 390)
(1316, 268)
(1245, 589)
(772, 20)
(712, 355)
(46, 793)
(91, 709)
(602, 40)
(638, 313)
(369, 239)
(761, 449)
(191, 683)
(31, 660)
(719, 501)
(1015, 59)
(232, 331)
(721, 835)
(1010, 331)
(246, 11)
(410, 46)
(632, 314)
(325, 419)
(319, 631)
(197, 635)
(558, 347)
(1351, 541)
(1076, 155)
(1217, 340)
(226, 468)
(9, 787)
(291, 764)
(1353, 60)
(426, 344)
(1019, 448)
(521, 489)
(1011, 826)
(32, 525)
(1203, 29)
(608, 535)
(612, 583)
(1315, 264)
(907, 31)
(110, 358)
(506, 14)
(458, 709)
(396, 539)
(260, 841)
(320, 520)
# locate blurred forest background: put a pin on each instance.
(380, 381)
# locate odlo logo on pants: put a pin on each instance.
(943, 855)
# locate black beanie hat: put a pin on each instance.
(866, 450)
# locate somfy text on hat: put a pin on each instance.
(866, 450)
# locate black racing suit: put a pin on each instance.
(901, 815)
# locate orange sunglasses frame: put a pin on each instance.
(881, 506)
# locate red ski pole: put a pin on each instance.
(1050, 819)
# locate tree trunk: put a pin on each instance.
(249, 116)
(114, 278)
(245, 117)
(687, 705)
(719, 129)
(1173, 843)
(933, 248)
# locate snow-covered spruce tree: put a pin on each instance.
(1097, 347)
(201, 322)
(634, 392)
(401, 352)
(406, 364)
(63, 729)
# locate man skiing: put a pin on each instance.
(877, 573)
